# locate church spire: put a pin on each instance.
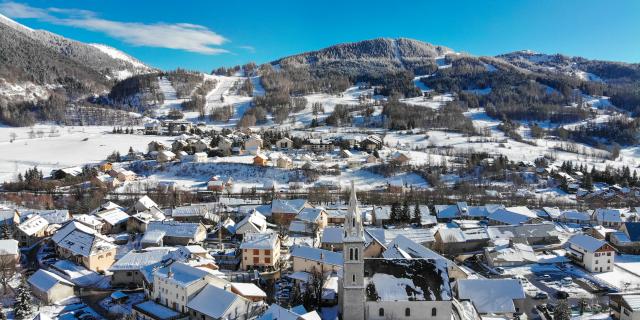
(353, 220)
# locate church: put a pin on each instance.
(379, 288)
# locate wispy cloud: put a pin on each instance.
(248, 48)
(181, 36)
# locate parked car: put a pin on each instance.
(541, 295)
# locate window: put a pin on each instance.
(354, 277)
(609, 254)
(256, 252)
(256, 260)
(381, 312)
(407, 312)
(596, 261)
(267, 260)
(267, 252)
(356, 250)
(434, 312)
(350, 253)
(353, 222)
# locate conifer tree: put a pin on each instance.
(22, 308)
(417, 216)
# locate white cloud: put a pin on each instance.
(180, 36)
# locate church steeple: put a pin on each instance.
(352, 298)
(353, 229)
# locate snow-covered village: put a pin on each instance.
(334, 178)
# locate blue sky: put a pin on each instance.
(203, 35)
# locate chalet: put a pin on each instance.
(456, 240)
(318, 145)
(114, 220)
(9, 217)
(127, 271)
(31, 231)
(144, 203)
(613, 218)
(284, 144)
(90, 221)
(260, 160)
(195, 213)
(309, 221)
(331, 238)
(260, 250)
(105, 166)
(177, 127)
(138, 222)
(513, 216)
(371, 143)
(66, 173)
(400, 158)
(284, 162)
(83, 245)
(248, 291)
(625, 305)
(532, 234)
(153, 127)
(165, 156)
(285, 211)
(173, 233)
(149, 310)
(228, 305)
(509, 254)
(346, 154)
(254, 222)
(215, 185)
(198, 157)
(590, 253)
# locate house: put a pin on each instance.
(285, 211)
(254, 222)
(532, 234)
(200, 146)
(627, 240)
(284, 162)
(260, 160)
(331, 238)
(83, 245)
(309, 221)
(625, 306)
(9, 217)
(90, 221)
(310, 260)
(400, 158)
(172, 233)
(195, 213)
(215, 185)
(49, 287)
(513, 216)
(199, 157)
(503, 297)
(260, 250)
(175, 285)
(31, 231)
(509, 254)
(574, 216)
(138, 222)
(153, 127)
(105, 166)
(284, 143)
(254, 142)
(114, 220)
(613, 218)
(456, 240)
(179, 145)
(165, 156)
(372, 159)
(149, 310)
(9, 250)
(144, 203)
(590, 253)
(215, 303)
(66, 173)
(125, 175)
(397, 288)
(371, 143)
(127, 271)
(248, 291)
(318, 145)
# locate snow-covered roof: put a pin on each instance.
(153, 236)
(385, 236)
(404, 248)
(517, 252)
(52, 216)
(455, 235)
(114, 216)
(535, 230)
(632, 300)
(318, 255)
(310, 214)
(293, 206)
(9, 246)
(182, 273)
(81, 240)
(407, 280)
(491, 295)
(259, 241)
(136, 260)
(586, 242)
(332, 235)
(575, 215)
(45, 280)
(157, 311)
(191, 211)
(88, 220)
(146, 203)
(175, 229)
(33, 225)
(610, 215)
(509, 217)
(226, 302)
(255, 218)
(248, 290)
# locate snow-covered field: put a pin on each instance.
(65, 147)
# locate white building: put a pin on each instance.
(592, 254)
